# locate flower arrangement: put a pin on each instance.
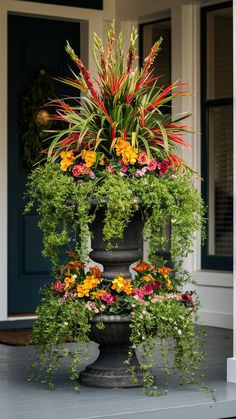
(118, 144)
(117, 149)
(152, 300)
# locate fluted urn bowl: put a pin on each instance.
(110, 370)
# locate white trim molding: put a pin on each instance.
(92, 20)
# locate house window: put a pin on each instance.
(217, 134)
(149, 33)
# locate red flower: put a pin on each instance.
(148, 289)
(108, 298)
(156, 284)
(164, 166)
(58, 286)
(187, 299)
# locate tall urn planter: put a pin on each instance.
(116, 148)
(109, 370)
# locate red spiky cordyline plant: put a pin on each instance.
(121, 115)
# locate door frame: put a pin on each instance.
(90, 21)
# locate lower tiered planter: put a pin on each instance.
(109, 370)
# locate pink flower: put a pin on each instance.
(108, 298)
(138, 294)
(110, 169)
(91, 306)
(123, 168)
(142, 158)
(148, 289)
(80, 170)
(58, 286)
(172, 296)
(152, 165)
(141, 172)
(157, 298)
(91, 175)
(164, 166)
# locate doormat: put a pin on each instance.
(16, 337)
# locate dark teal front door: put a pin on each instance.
(32, 43)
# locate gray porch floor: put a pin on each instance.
(20, 399)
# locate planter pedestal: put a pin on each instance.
(109, 370)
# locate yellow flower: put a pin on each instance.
(126, 151)
(89, 157)
(130, 155)
(147, 278)
(168, 284)
(98, 294)
(118, 283)
(67, 159)
(82, 291)
(69, 281)
(120, 146)
(91, 281)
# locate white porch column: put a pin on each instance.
(231, 362)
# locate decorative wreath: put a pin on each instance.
(35, 117)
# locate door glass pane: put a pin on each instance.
(219, 53)
(220, 188)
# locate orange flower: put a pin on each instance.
(147, 278)
(102, 160)
(96, 271)
(127, 287)
(143, 266)
(164, 271)
(74, 264)
(69, 281)
(67, 159)
(89, 157)
(98, 294)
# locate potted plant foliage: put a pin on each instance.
(113, 169)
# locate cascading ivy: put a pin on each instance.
(64, 206)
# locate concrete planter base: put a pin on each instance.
(109, 370)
